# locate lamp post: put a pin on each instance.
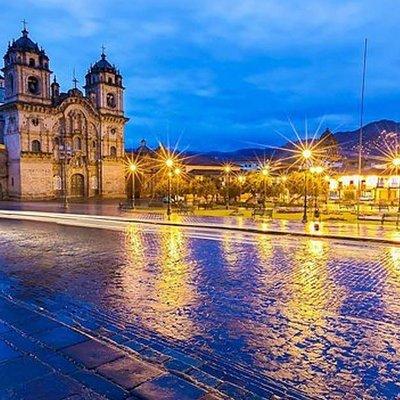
(177, 173)
(169, 162)
(133, 168)
(265, 173)
(396, 164)
(241, 180)
(65, 154)
(306, 155)
(227, 170)
(315, 171)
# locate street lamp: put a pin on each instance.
(227, 171)
(316, 170)
(265, 172)
(306, 155)
(169, 163)
(177, 173)
(396, 165)
(241, 180)
(133, 168)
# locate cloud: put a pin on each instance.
(226, 72)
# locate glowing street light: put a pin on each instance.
(169, 162)
(227, 170)
(265, 172)
(396, 165)
(133, 169)
(306, 155)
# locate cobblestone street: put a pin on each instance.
(195, 315)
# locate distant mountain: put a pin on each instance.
(376, 135)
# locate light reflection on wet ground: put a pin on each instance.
(322, 316)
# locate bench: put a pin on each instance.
(262, 212)
(390, 217)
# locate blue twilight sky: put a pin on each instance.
(223, 74)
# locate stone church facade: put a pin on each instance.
(55, 144)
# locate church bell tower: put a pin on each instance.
(26, 72)
(104, 87)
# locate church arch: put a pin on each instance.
(77, 143)
(77, 185)
(33, 85)
(36, 146)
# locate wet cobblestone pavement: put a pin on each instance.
(220, 313)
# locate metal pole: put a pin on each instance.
(360, 139)
(265, 192)
(227, 190)
(305, 197)
(169, 196)
(133, 189)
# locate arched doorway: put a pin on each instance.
(77, 185)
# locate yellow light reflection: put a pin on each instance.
(173, 289)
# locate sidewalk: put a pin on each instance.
(56, 348)
(41, 358)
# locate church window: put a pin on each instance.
(111, 100)
(94, 144)
(31, 62)
(110, 81)
(78, 143)
(35, 121)
(113, 151)
(36, 146)
(33, 85)
(12, 181)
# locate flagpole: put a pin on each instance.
(360, 138)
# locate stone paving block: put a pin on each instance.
(6, 352)
(236, 392)
(48, 387)
(153, 355)
(129, 372)
(183, 357)
(59, 363)
(93, 353)
(168, 387)
(118, 338)
(12, 314)
(21, 342)
(176, 365)
(100, 385)
(19, 370)
(59, 338)
(134, 345)
(37, 323)
(203, 377)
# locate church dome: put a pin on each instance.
(103, 65)
(25, 44)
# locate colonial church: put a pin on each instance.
(55, 144)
